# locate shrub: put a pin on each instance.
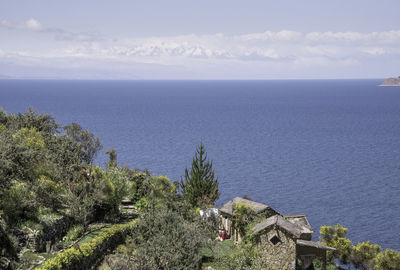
(162, 240)
(70, 258)
(334, 236)
(30, 138)
(18, 203)
(388, 260)
(75, 232)
(243, 216)
(363, 255)
(49, 192)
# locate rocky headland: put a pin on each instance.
(391, 82)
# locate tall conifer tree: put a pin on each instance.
(200, 186)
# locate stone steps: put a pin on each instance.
(128, 210)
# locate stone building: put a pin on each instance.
(283, 242)
(226, 212)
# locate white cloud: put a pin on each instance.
(33, 24)
(30, 24)
(284, 35)
(286, 49)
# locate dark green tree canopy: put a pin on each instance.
(200, 186)
(90, 144)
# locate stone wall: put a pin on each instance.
(279, 256)
(43, 241)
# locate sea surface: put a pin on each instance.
(326, 148)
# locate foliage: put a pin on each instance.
(7, 247)
(18, 202)
(244, 257)
(242, 217)
(138, 189)
(35, 164)
(163, 239)
(85, 251)
(75, 232)
(115, 187)
(388, 260)
(334, 236)
(89, 143)
(29, 138)
(48, 192)
(363, 255)
(200, 187)
(82, 196)
(155, 191)
(317, 264)
(113, 158)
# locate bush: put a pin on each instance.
(388, 260)
(88, 252)
(49, 192)
(75, 232)
(363, 255)
(18, 203)
(162, 240)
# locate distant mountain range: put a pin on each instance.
(391, 82)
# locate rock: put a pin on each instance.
(391, 82)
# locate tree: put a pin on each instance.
(334, 236)
(388, 260)
(363, 255)
(200, 187)
(113, 157)
(89, 143)
(242, 216)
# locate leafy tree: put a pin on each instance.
(200, 187)
(363, 255)
(18, 203)
(388, 260)
(334, 236)
(43, 123)
(162, 240)
(242, 217)
(113, 157)
(90, 144)
(155, 192)
(48, 192)
(116, 187)
(83, 194)
(29, 138)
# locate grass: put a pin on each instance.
(219, 251)
(89, 237)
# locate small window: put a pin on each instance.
(275, 240)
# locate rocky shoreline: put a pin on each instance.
(391, 82)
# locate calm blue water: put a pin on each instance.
(329, 149)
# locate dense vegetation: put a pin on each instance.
(47, 170)
(364, 255)
(47, 173)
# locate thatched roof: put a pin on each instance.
(228, 207)
(313, 244)
(279, 221)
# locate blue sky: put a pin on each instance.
(125, 39)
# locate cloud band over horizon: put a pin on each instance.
(264, 55)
